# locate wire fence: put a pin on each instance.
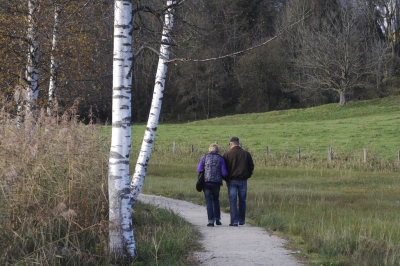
(360, 160)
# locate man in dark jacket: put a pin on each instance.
(240, 167)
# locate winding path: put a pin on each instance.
(226, 245)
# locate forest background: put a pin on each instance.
(326, 51)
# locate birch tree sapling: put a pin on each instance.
(121, 239)
(53, 59)
(388, 19)
(32, 73)
(152, 123)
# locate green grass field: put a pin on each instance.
(332, 217)
(374, 125)
(343, 212)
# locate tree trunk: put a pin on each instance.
(121, 239)
(32, 73)
(152, 123)
(53, 63)
(342, 95)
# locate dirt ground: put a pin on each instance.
(226, 245)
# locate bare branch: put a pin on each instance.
(239, 52)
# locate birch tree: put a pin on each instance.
(152, 123)
(388, 19)
(121, 239)
(32, 73)
(53, 59)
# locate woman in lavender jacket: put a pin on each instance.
(214, 169)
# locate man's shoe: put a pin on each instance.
(241, 223)
(210, 224)
(233, 225)
(218, 223)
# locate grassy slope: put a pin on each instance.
(373, 124)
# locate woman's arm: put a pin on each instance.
(200, 166)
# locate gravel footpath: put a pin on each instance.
(228, 245)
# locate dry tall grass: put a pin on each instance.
(54, 199)
(52, 193)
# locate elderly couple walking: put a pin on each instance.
(235, 167)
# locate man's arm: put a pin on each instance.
(224, 172)
(250, 164)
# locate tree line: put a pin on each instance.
(335, 51)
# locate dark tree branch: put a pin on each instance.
(242, 51)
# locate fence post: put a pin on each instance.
(192, 148)
(174, 147)
(365, 155)
(267, 151)
(298, 153)
(330, 154)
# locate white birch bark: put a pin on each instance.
(53, 60)
(121, 239)
(152, 123)
(32, 73)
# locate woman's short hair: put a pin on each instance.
(214, 148)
